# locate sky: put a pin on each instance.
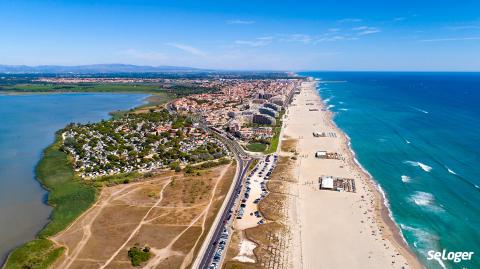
(420, 35)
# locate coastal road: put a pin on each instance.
(207, 250)
(207, 256)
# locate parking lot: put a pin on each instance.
(244, 213)
(254, 190)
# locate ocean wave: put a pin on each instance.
(423, 240)
(330, 106)
(425, 200)
(327, 100)
(343, 109)
(341, 102)
(408, 142)
(420, 110)
(406, 179)
(450, 170)
(425, 167)
(386, 202)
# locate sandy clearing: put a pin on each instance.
(162, 213)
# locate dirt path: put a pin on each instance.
(189, 257)
(160, 213)
(167, 251)
(87, 231)
(134, 232)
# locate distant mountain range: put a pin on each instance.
(95, 68)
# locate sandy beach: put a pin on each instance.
(336, 229)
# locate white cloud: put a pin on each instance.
(334, 38)
(451, 39)
(187, 48)
(366, 30)
(334, 29)
(360, 28)
(369, 32)
(240, 22)
(302, 38)
(257, 42)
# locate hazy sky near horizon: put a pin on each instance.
(280, 35)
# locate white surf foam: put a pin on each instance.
(408, 142)
(423, 240)
(424, 167)
(450, 170)
(420, 110)
(327, 100)
(375, 183)
(343, 109)
(330, 106)
(425, 200)
(406, 179)
(386, 202)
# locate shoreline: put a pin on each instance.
(386, 230)
(384, 213)
(42, 239)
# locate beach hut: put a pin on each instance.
(327, 183)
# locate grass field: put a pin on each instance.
(256, 147)
(68, 197)
(39, 253)
(272, 148)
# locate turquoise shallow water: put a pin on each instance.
(27, 126)
(418, 134)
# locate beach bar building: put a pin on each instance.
(321, 154)
(326, 183)
(319, 134)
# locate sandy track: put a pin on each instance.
(135, 231)
(160, 213)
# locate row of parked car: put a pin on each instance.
(265, 173)
(241, 210)
(220, 248)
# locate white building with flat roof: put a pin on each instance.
(321, 154)
(326, 183)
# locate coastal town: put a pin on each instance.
(248, 109)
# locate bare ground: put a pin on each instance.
(273, 238)
(169, 213)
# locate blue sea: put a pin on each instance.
(418, 135)
(27, 126)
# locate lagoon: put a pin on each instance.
(27, 126)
